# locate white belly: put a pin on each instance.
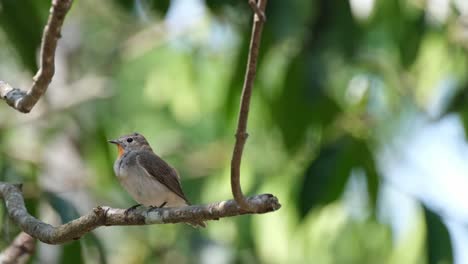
(146, 190)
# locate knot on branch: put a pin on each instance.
(269, 201)
(262, 203)
(242, 135)
(99, 212)
(13, 96)
(10, 94)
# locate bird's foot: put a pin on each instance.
(157, 207)
(130, 209)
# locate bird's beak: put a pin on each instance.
(114, 141)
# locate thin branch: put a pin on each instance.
(106, 216)
(241, 133)
(24, 101)
(260, 13)
(19, 251)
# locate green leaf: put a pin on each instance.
(303, 102)
(365, 159)
(411, 37)
(160, 6)
(458, 105)
(217, 6)
(439, 245)
(333, 30)
(305, 99)
(327, 175)
(404, 26)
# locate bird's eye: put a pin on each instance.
(129, 140)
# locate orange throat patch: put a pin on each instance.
(121, 150)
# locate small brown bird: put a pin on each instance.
(146, 177)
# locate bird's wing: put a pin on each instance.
(161, 171)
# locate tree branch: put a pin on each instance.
(259, 12)
(106, 216)
(19, 251)
(241, 133)
(25, 101)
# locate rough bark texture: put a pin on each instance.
(106, 216)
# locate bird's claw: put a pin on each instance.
(152, 207)
(130, 209)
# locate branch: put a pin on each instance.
(259, 12)
(19, 251)
(106, 216)
(25, 101)
(241, 133)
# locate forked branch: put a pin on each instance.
(106, 216)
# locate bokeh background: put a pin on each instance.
(357, 123)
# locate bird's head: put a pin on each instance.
(134, 141)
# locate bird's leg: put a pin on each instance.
(131, 209)
(156, 207)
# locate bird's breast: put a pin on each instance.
(144, 188)
(122, 164)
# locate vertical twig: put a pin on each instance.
(241, 133)
(24, 101)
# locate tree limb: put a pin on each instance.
(19, 251)
(24, 101)
(241, 133)
(106, 216)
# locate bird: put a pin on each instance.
(150, 180)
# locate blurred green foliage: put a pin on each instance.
(332, 85)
